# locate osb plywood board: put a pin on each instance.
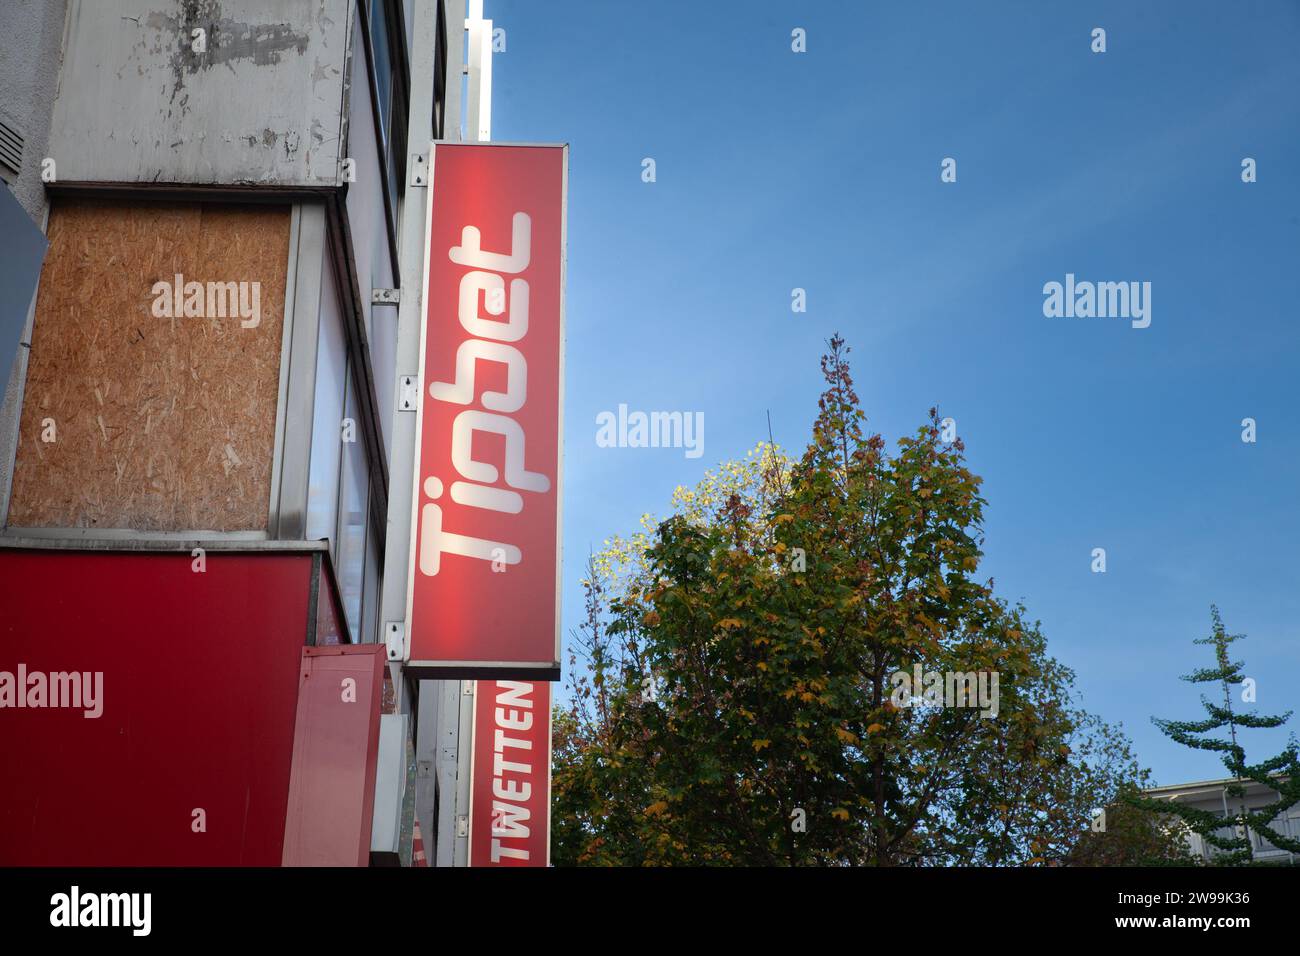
(158, 423)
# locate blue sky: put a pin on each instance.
(820, 170)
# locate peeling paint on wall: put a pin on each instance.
(261, 104)
(227, 41)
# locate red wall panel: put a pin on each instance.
(200, 684)
(335, 749)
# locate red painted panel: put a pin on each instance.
(487, 483)
(199, 689)
(335, 749)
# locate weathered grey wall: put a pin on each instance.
(263, 105)
(31, 46)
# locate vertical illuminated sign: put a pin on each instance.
(485, 562)
(510, 774)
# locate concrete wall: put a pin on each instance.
(31, 46)
(31, 50)
(263, 105)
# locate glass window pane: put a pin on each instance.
(327, 434)
(383, 63)
(370, 596)
(350, 561)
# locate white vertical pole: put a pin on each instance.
(478, 122)
(437, 730)
(401, 463)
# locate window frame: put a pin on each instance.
(391, 142)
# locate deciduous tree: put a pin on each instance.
(737, 699)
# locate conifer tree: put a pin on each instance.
(1280, 774)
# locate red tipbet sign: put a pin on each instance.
(485, 555)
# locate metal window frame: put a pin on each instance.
(399, 97)
(339, 459)
(371, 584)
(321, 241)
(282, 393)
(12, 425)
(293, 448)
(340, 248)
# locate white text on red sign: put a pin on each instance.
(489, 341)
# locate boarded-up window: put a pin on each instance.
(135, 420)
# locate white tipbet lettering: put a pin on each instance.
(510, 788)
(470, 252)
(488, 343)
(512, 330)
(461, 391)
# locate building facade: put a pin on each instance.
(196, 432)
(1212, 796)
